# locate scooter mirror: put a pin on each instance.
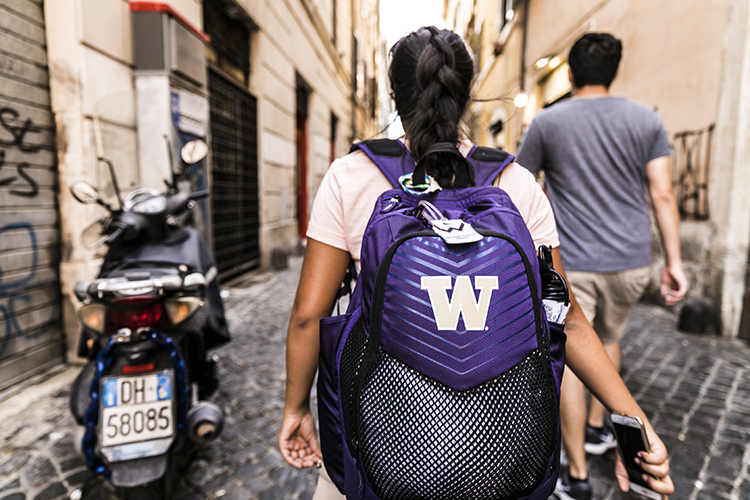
(84, 192)
(194, 151)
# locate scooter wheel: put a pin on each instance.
(161, 489)
(98, 488)
(156, 490)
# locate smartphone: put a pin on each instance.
(631, 438)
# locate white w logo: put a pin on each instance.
(463, 300)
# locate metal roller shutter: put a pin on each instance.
(31, 338)
(234, 176)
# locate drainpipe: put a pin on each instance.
(355, 50)
(525, 28)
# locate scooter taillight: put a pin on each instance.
(135, 313)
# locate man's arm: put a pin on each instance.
(531, 153)
(673, 281)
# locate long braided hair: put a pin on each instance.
(431, 74)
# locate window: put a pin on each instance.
(303, 92)
(334, 126)
(230, 40)
(333, 37)
(373, 97)
(506, 12)
(355, 62)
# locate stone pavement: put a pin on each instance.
(696, 390)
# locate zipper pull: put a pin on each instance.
(392, 204)
(418, 213)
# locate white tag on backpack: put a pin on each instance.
(455, 231)
(556, 311)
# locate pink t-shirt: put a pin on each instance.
(352, 185)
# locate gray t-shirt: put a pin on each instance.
(594, 153)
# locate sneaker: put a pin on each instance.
(599, 440)
(572, 489)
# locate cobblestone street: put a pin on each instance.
(696, 391)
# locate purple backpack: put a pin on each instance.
(442, 379)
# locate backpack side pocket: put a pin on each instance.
(557, 339)
(334, 331)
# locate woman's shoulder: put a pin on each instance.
(352, 163)
(522, 187)
(355, 176)
(516, 175)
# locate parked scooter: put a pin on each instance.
(148, 321)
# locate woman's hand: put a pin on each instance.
(322, 271)
(656, 464)
(298, 439)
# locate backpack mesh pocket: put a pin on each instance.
(352, 356)
(423, 440)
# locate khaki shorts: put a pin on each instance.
(607, 298)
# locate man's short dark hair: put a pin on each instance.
(594, 59)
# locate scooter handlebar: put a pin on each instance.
(180, 201)
(198, 195)
(114, 235)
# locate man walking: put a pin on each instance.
(598, 153)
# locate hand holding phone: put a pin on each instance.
(631, 439)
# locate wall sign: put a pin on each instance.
(189, 112)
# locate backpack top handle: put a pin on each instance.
(462, 179)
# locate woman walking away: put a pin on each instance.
(431, 74)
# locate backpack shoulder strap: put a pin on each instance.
(488, 163)
(390, 156)
(393, 159)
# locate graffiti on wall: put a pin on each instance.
(17, 289)
(692, 165)
(8, 119)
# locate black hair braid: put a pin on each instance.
(431, 74)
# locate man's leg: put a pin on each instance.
(619, 293)
(596, 409)
(573, 420)
(574, 483)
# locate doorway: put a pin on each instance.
(302, 97)
(234, 176)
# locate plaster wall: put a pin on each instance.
(672, 60)
(94, 101)
(730, 205)
(671, 53)
(296, 38)
(91, 87)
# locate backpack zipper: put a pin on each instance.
(393, 203)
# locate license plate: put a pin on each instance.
(136, 408)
